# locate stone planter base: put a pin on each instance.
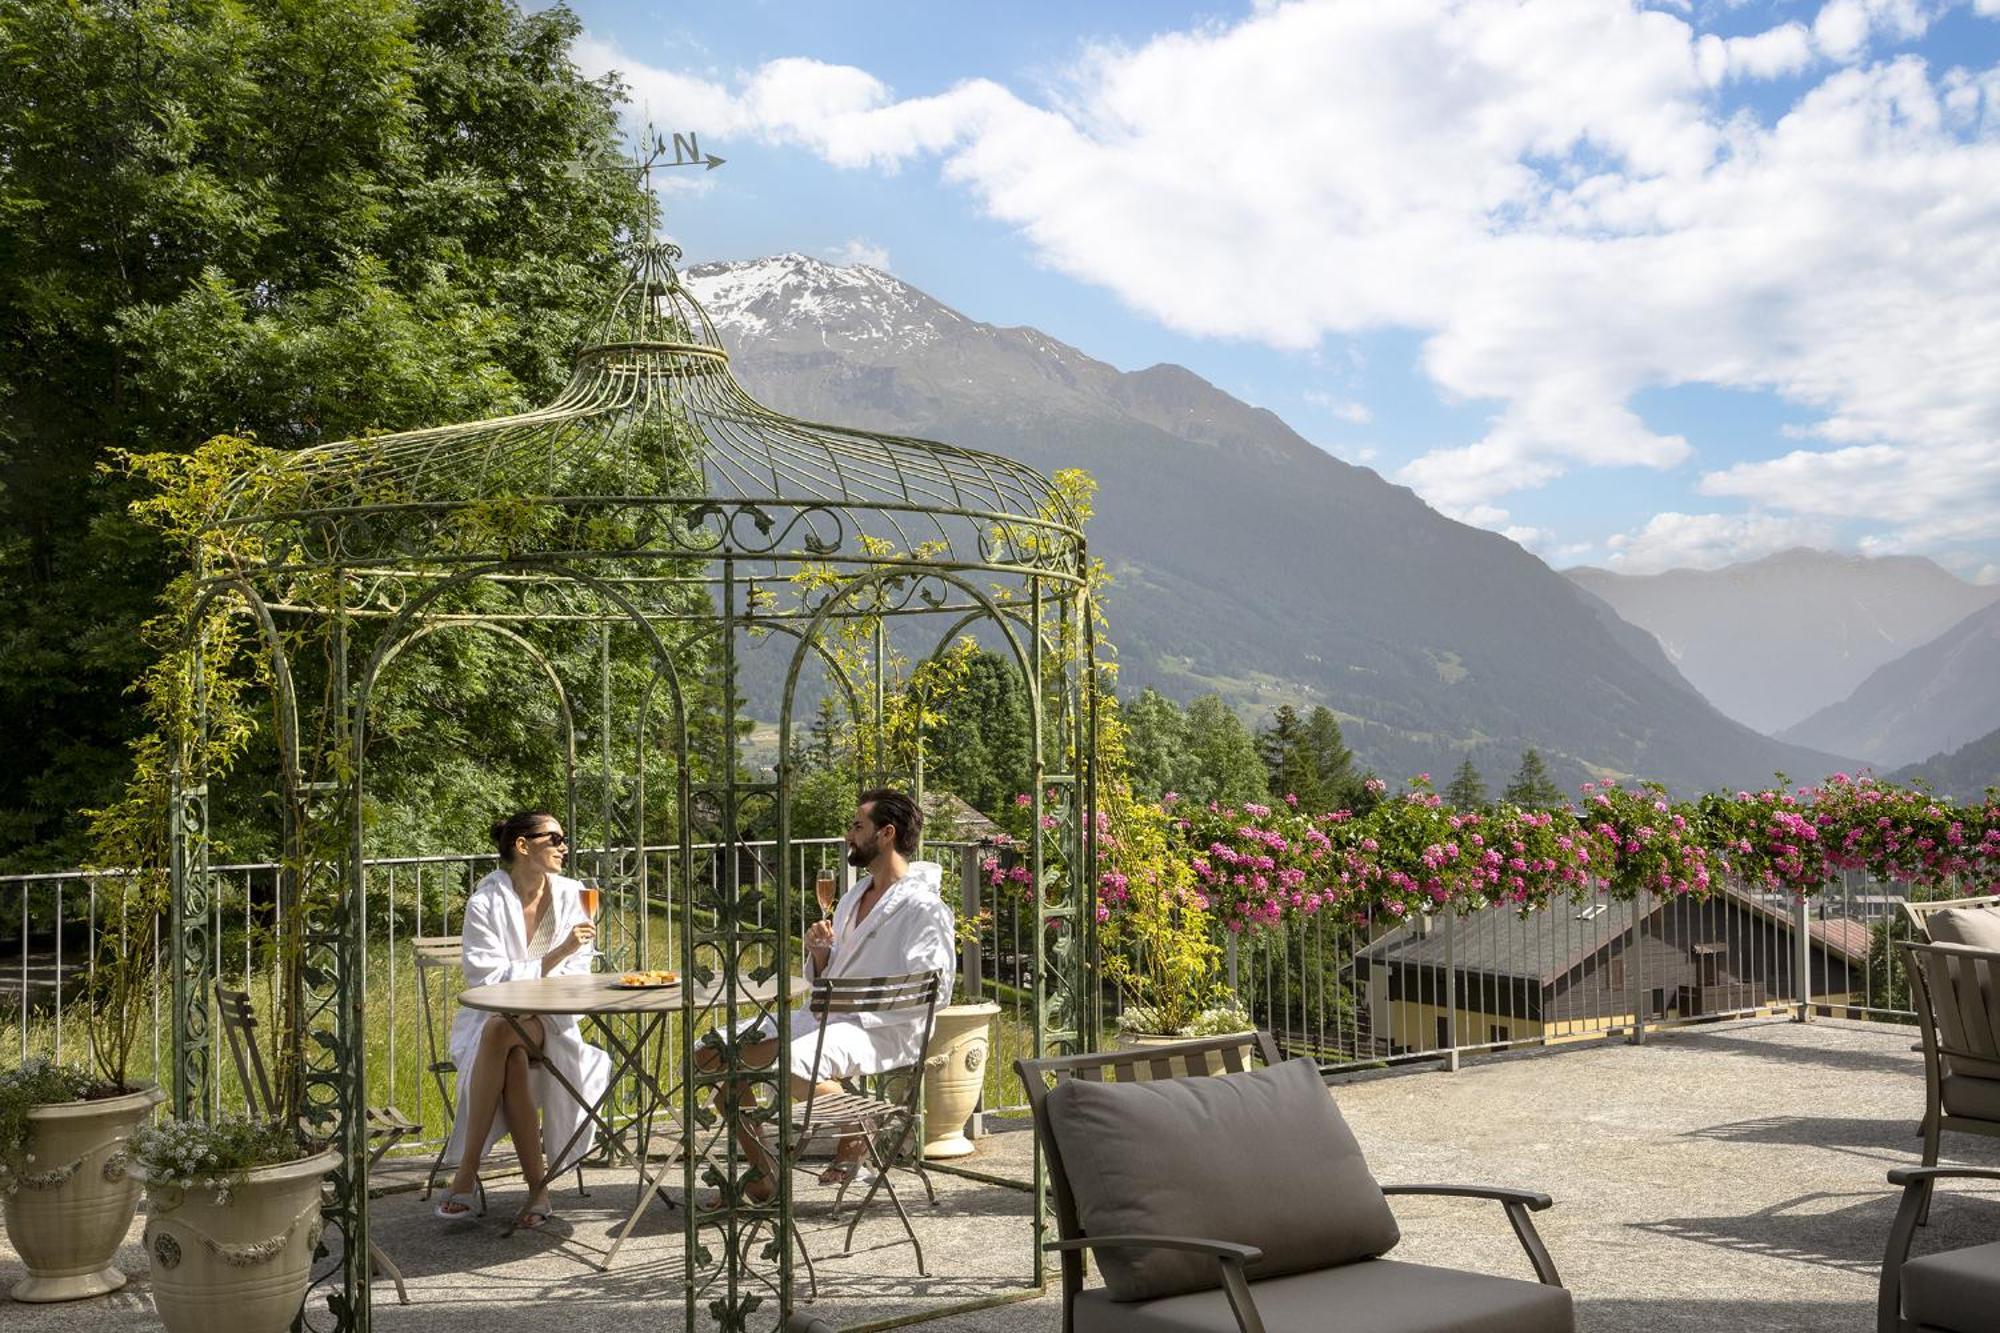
(241, 1265)
(75, 1202)
(1134, 1041)
(961, 1037)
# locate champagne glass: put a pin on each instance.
(823, 889)
(590, 896)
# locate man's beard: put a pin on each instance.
(859, 858)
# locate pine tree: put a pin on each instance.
(1467, 790)
(1282, 748)
(1332, 763)
(1531, 788)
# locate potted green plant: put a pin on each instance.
(233, 1218)
(64, 1130)
(1158, 933)
(63, 1135)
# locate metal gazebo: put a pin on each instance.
(673, 561)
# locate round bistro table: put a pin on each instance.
(597, 1000)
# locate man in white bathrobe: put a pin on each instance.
(893, 922)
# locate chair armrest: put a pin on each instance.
(1231, 1256)
(1517, 1204)
(1916, 1183)
(1221, 1249)
(1908, 1175)
(1529, 1199)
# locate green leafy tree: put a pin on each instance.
(1531, 788)
(1467, 790)
(1226, 766)
(299, 220)
(982, 750)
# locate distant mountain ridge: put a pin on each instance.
(1931, 700)
(1963, 774)
(1245, 559)
(1773, 640)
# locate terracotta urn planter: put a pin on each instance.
(241, 1265)
(961, 1038)
(72, 1206)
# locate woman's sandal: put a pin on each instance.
(468, 1206)
(533, 1218)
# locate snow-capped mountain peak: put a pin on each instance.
(795, 293)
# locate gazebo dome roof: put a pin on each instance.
(652, 414)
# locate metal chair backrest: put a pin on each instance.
(434, 954)
(874, 995)
(1918, 915)
(1957, 993)
(1201, 1057)
(239, 1025)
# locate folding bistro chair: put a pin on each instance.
(876, 1119)
(437, 964)
(386, 1125)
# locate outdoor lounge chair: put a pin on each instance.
(1968, 920)
(1953, 986)
(1243, 1203)
(1956, 1291)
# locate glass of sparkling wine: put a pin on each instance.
(823, 889)
(590, 896)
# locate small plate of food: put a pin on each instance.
(657, 978)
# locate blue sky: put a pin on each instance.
(1639, 284)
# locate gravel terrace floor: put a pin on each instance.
(1728, 1176)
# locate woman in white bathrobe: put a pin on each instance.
(523, 920)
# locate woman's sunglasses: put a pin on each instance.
(556, 837)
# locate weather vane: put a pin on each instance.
(651, 154)
(658, 152)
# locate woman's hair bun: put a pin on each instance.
(520, 825)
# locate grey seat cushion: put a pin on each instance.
(1259, 1158)
(1957, 1290)
(1368, 1296)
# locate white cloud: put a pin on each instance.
(1548, 192)
(1533, 538)
(1988, 575)
(1709, 541)
(861, 251)
(1843, 28)
(1780, 51)
(1346, 409)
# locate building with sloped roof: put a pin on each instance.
(1556, 974)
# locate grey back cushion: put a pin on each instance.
(1260, 1158)
(1977, 928)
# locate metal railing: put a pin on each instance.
(1378, 990)
(49, 946)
